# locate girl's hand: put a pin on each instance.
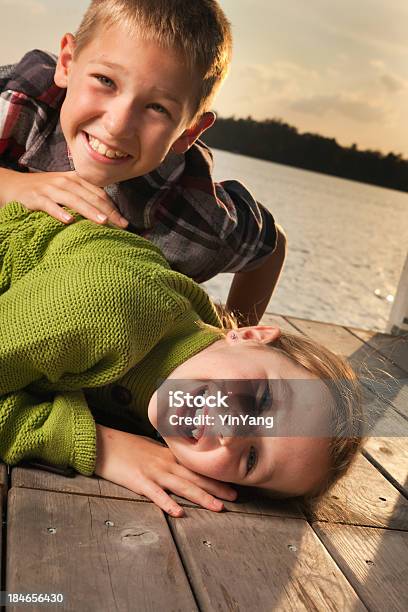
(50, 191)
(148, 467)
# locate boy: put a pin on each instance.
(116, 121)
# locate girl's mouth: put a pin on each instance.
(103, 154)
(193, 431)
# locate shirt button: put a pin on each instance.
(121, 395)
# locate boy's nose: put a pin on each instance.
(119, 121)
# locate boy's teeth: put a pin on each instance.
(102, 149)
(194, 433)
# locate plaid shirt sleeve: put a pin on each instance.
(10, 149)
(205, 228)
(17, 119)
(250, 235)
(25, 104)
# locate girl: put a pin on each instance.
(94, 324)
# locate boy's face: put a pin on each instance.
(128, 102)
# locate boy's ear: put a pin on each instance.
(189, 136)
(64, 60)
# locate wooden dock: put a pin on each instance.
(107, 549)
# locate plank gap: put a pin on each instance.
(384, 472)
(337, 522)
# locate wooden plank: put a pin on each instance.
(380, 419)
(270, 318)
(388, 381)
(390, 456)
(395, 348)
(243, 562)
(3, 477)
(249, 501)
(252, 501)
(334, 337)
(364, 497)
(102, 554)
(32, 478)
(3, 502)
(373, 560)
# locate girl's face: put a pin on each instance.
(252, 456)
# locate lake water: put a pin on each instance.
(347, 242)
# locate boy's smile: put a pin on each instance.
(128, 103)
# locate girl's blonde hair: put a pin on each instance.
(338, 375)
(198, 29)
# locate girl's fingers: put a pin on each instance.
(157, 495)
(216, 487)
(189, 490)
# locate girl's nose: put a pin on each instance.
(224, 441)
(228, 439)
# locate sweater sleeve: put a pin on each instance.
(60, 430)
(69, 323)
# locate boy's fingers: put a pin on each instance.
(116, 218)
(78, 199)
(161, 499)
(189, 490)
(92, 204)
(75, 202)
(56, 211)
(105, 204)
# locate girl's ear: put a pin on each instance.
(260, 333)
(64, 60)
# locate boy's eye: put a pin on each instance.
(159, 108)
(104, 80)
(252, 459)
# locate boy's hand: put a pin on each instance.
(148, 467)
(50, 191)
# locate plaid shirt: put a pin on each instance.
(202, 227)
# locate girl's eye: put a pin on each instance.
(203, 392)
(252, 459)
(159, 108)
(266, 399)
(104, 80)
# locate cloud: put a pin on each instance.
(351, 107)
(35, 7)
(393, 83)
(273, 80)
(390, 81)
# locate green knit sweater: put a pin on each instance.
(84, 308)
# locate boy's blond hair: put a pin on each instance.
(198, 29)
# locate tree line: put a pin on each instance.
(276, 141)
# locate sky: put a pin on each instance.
(333, 67)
